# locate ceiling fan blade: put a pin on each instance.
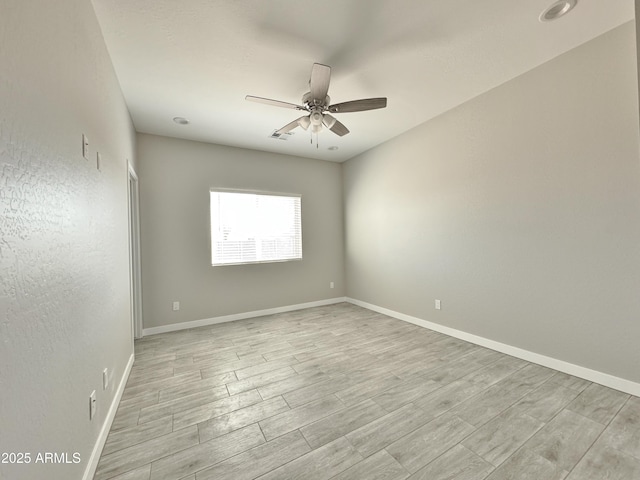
(359, 105)
(290, 126)
(275, 103)
(334, 125)
(319, 82)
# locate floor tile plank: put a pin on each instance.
(526, 465)
(128, 437)
(291, 383)
(340, 423)
(260, 380)
(547, 401)
(180, 404)
(157, 385)
(320, 464)
(498, 439)
(380, 466)
(265, 367)
(200, 384)
(606, 463)
(598, 403)
(623, 433)
(143, 453)
(317, 390)
(364, 390)
(565, 439)
(204, 412)
(258, 460)
(458, 463)
(385, 430)
(428, 442)
(298, 417)
(242, 417)
(405, 393)
(141, 473)
(206, 454)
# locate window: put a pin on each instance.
(248, 227)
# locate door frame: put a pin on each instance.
(135, 272)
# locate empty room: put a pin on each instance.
(344, 239)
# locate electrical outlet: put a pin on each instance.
(93, 405)
(176, 306)
(331, 285)
(105, 378)
(437, 304)
(85, 146)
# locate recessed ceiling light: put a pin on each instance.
(557, 10)
(332, 148)
(181, 120)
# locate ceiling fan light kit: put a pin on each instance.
(304, 122)
(316, 102)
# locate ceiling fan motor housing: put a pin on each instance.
(311, 102)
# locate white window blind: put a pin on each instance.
(254, 227)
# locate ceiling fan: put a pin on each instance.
(317, 103)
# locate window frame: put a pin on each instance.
(251, 192)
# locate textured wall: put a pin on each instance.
(175, 179)
(64, 281)
(637, 20)
(519, 210)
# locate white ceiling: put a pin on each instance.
(199, 58)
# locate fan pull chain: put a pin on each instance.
(317, 145)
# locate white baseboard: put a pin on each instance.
(238, 316)
(605, 379)
(90, 471)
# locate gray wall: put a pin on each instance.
(637, 20)
(519, 210)
(64, 276)
(175, 179)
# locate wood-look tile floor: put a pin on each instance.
(341, 392)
